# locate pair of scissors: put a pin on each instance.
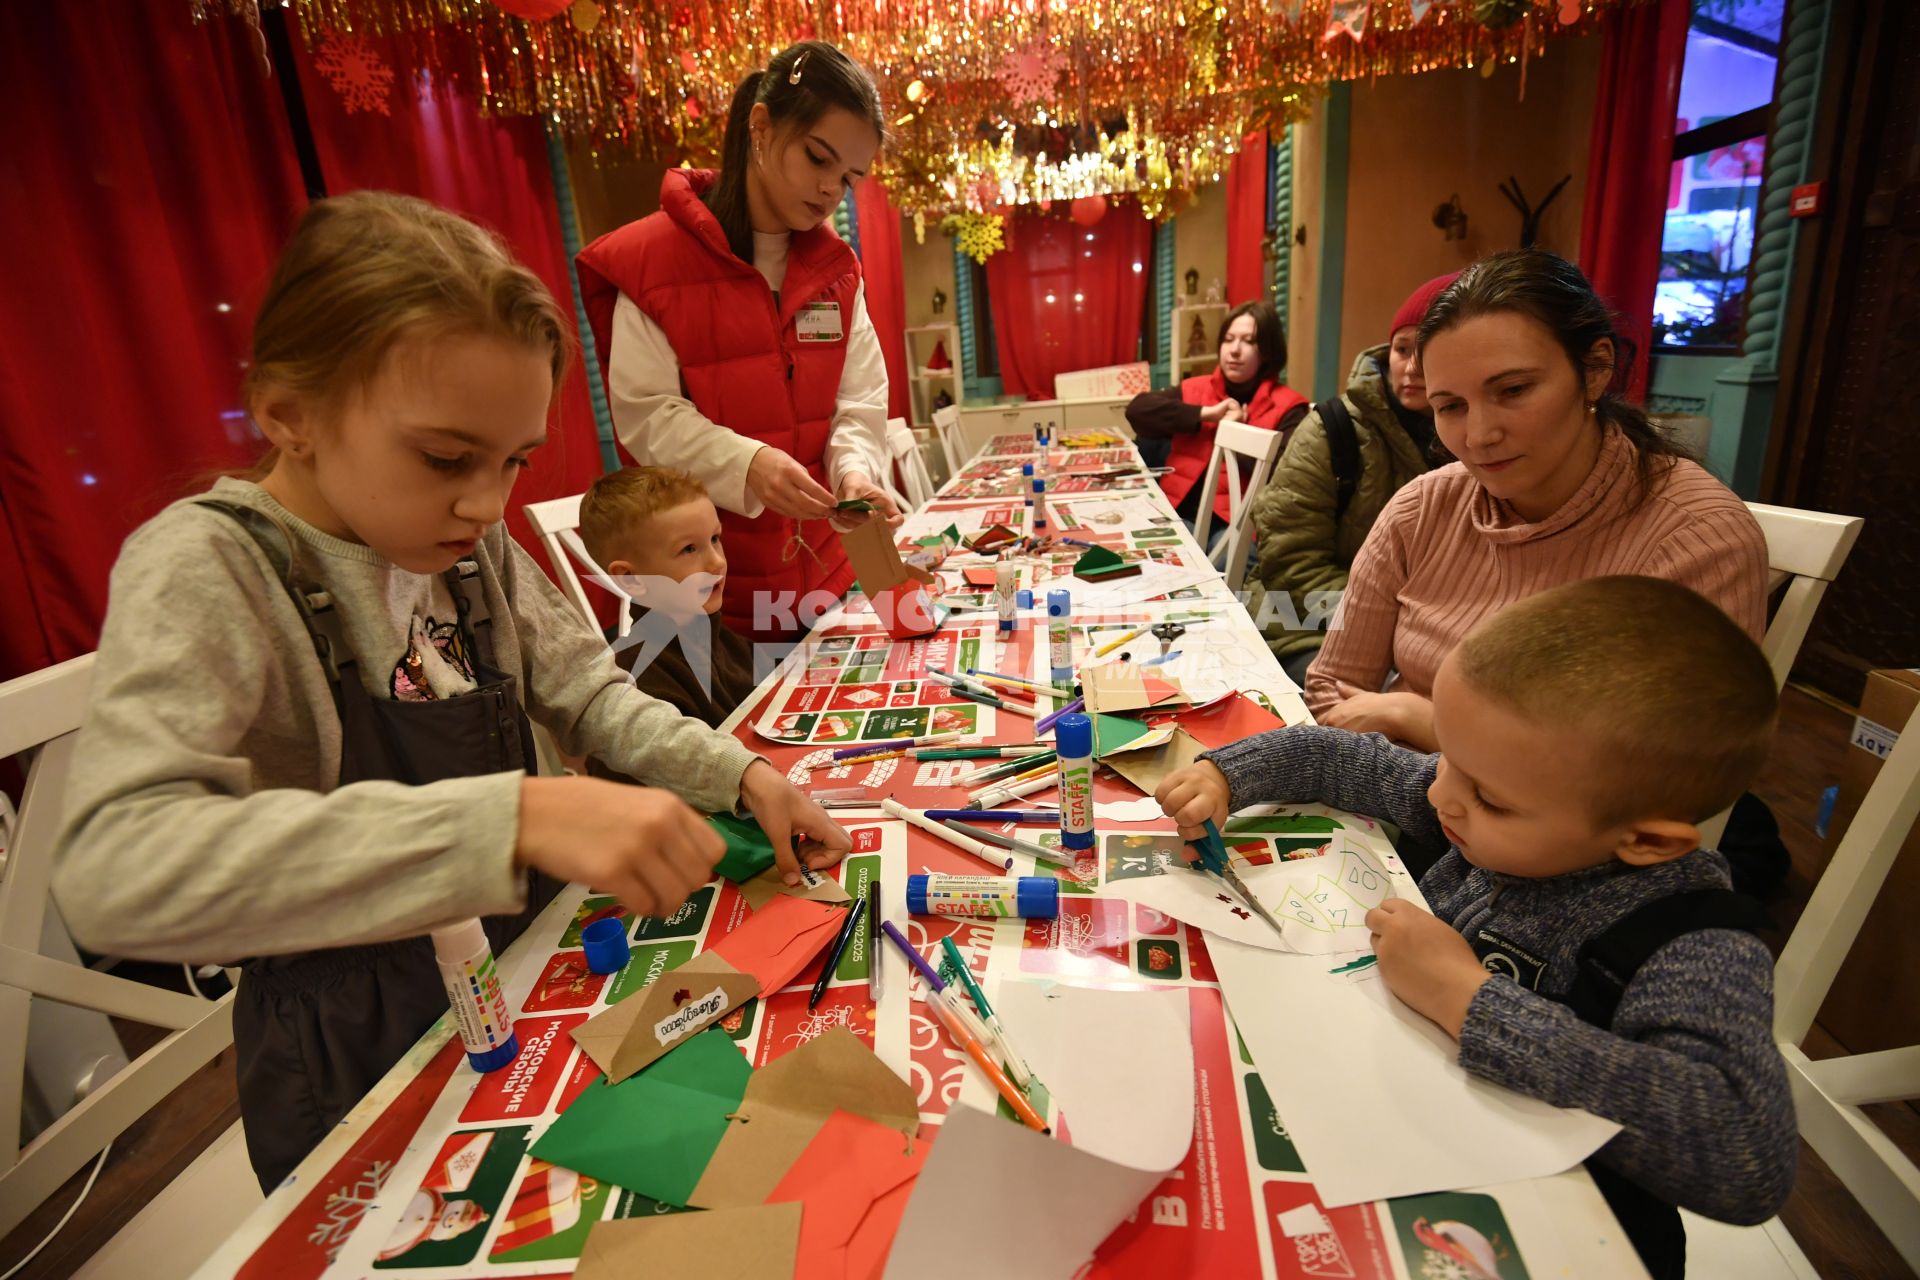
(1166, 633)
(1214, 857)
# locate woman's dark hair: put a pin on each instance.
(1268, 334)
(801, 83)
(1552, 292)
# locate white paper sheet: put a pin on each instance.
(1321, 903)
(1120, 1066)
(1371, 1092)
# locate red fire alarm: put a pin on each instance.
(1808, 198)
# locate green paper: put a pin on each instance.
(656, 1131)
(1114, 733)
(853, 504)
(749, 851)
(1099, 560)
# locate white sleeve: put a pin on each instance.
(660, 427)
(857, 439)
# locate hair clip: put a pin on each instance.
(793, 76)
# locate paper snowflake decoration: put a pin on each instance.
(978, 235)
(1029, 74)
(363, 81)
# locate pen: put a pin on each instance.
(964, 842)
(988, 700)
(1045, 722)
(972, 753)
(988, 773)
(1017, 791)
(895, 744)
(1042, 817)
(1016, 1065)
(1111, 645)
(1026, 773)
(1036, 685)
(1039, 851)
(948, 1012)
(837, 762)
(873, 939)
(840, 941)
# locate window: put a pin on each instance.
(1719, 158)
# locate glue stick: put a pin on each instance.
(1006, 580)
(1060, 637)
(1030, 897)
(1039, 507)
(1073, 739)
(473, 988)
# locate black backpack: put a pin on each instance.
(1607, 964)
(1343, 448)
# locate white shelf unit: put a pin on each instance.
(1210, 315)
(927, 383)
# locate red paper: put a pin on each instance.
(779, 939)
(1222, 723)
(979, 577)
(852, 1181)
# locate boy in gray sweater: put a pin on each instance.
(1583, 732)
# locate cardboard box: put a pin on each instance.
(1875, 1001)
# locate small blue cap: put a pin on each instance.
(1059, 604)
(1026, 469)
(605, 942)
(1039, 485)
(1025, 598)
(1073, 735)
(496, 1058)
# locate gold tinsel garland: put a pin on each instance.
(1153, 99)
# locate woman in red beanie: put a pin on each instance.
(1346, 459)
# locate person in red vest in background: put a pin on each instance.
(1244, 387)
(733, 333)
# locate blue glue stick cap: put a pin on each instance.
(1073, 735)
(1025, 598)
(1026, 469)
(1059, 604)
(494, 1059)
(605, 944)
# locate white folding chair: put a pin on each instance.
(1805, 549)
(910, 468)
(946, 429)
(1233, 441)
(40, 717)
(1829, 1094)
(557, 521)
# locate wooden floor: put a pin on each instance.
(1839, 1240)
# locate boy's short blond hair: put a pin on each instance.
(620, 501)
(1677, 702)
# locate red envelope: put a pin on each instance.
(779, 939)
(852, 1181)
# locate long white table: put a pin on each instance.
(382, 1179)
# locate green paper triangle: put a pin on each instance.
(1113, 733)
(749, 852)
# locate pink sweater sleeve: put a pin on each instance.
(1359, 647)
(1722, 554)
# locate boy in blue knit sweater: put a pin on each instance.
(1583, 733)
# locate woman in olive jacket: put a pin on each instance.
(1333, 481)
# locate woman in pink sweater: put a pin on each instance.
(1558, 480)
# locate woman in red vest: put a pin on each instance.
(1244, 387)
(734, 336)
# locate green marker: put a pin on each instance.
(1016, 1065)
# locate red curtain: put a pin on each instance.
(150, 181)
(886, 287)
(1247, 220)
(1067, 296)
(1630, 158)
(434, 143)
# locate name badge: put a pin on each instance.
(818, 322)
